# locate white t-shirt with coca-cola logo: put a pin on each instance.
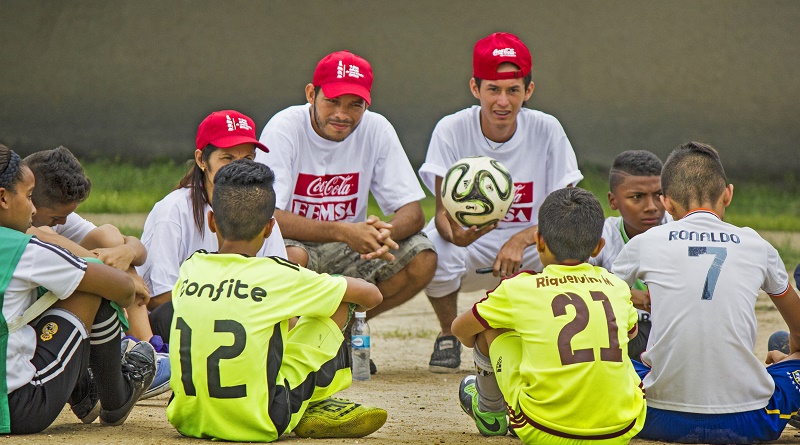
(540, 160)
(330, 181)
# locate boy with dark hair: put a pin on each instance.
(238, 373)
(46, 350)
(703, 382)
(549, 347)
(62, 186)
(634, 191)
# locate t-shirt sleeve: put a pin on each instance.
(439, 158)
(562, 168)
(626, 264)
(166, 253)
(776, 280)
(495, 311)
(281, 140)
(52, 267)
(394, 183)
(75, 228)
(318, 295)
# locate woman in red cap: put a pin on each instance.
(176, 227)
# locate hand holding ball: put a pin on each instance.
(477, 191)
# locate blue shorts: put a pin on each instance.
(760, 425)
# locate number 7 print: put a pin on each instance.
(720, 253)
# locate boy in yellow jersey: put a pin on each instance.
(238, 373)
(551, 348)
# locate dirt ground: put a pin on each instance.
(423, 407)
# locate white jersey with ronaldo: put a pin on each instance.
(704, 276)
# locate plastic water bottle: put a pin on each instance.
(360, 347)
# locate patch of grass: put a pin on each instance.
(126, 188)
(789, 254)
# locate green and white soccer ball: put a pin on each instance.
(477, 191)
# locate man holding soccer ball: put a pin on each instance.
(536, 151)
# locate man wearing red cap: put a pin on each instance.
(328, 155)
(535, 149)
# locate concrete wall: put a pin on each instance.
(133, 79)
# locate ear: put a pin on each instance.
(541, 245)
(529, 90)
(268, 228)
(612, 201)
(212, 223)
(672, 207)
(727, 195)
(5, 198)
(599, 247)
(473, 86)
(310, 93)
(198, 159)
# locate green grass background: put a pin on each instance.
(126, 188)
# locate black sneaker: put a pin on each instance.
(795, 421)
(446, 357)
(138, 369)
(86, 405)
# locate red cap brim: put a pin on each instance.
(233, 140)
(336, 89)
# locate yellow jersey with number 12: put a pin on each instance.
(228, 337)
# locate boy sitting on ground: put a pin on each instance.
(550, 348)
(704, 384)
(46, 363)
(62, 185)
(634, 191)
(238, 373)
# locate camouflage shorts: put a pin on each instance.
(338, 258)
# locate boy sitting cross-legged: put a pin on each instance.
(634, 191)
(46, 350)
(703, 382)
(238, 373)
(550, 347)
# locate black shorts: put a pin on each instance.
(62, 355)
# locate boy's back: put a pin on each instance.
(573, 322)
(231, 315)
(704, 276)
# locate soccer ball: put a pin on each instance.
(477, 191)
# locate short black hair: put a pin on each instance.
(60, 178)
(693, 175)
(243, 199)
(633, 163)
(571, 223)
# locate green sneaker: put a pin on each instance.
(488, 423)
(335, 417)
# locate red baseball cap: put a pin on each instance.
(343, 72)
(225, 129)
(498, 48)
